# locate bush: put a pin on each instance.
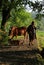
(3, 38)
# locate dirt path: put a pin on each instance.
(19, 57)
(20, 54)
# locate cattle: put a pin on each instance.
(17, 31)
(22, 31)
(12, 32)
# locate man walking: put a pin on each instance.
(32, 32)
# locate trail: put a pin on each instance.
(19, 55)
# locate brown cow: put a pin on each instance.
(15, 31)
(22, 31)
(12, 32)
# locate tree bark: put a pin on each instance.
(5, 16)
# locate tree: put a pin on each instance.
(7, 5)
(21, 18)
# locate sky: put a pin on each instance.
(36, 0)
(27, 6)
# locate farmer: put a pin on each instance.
(32, 32)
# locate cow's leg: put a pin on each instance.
(21, 42)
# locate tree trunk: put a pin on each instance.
(5, 16)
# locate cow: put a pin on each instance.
(22, 31)
(15, 31)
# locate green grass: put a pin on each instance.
(18, 37)
(40, 33)
(40, 38)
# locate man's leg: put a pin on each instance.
(29, 39)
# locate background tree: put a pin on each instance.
(7, 5)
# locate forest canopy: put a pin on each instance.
(7, 5)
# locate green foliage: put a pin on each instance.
(40, 37)
(20, 18)
(38, 16)
(16, 4)
(3, 38)
(40, 24)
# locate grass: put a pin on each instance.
(40, 38)
(18, 37)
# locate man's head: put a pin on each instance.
(32, 23)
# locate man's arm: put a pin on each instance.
(28, 29)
